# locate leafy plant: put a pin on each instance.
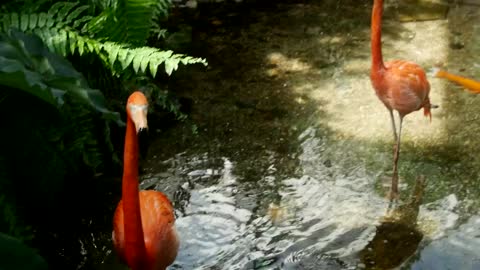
(139, 18)
(113, 35)
(25, 64)
(15, 255)
(54, 123)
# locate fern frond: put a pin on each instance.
(143, 58)
(27, 6)
(118, 56)
(160, 11)
(58, 28)
(60, 15)
(128, 22)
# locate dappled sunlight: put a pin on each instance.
(351, 100)
(281, 64)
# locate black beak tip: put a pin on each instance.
(143, 142)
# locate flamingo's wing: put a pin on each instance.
(118, 232)
(409, 86)
(158, 222)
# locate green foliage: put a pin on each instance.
(112, 35)
(25, 64)
(10, 222)
(16, 256)
(58, 125)
(55, 129)
(138, 19)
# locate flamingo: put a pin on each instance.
(401, 85)
(144, 234)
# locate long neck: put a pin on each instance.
(134, 240)
(376, 36)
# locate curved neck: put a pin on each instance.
(134, 240)
(376, 36)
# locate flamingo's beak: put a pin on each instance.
(138, 114)
(143, 142)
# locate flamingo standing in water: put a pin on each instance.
(401, 85)
(144, 234)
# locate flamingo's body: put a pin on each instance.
(144, 234)
(401, 86)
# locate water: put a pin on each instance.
(292, 161)
(320, 220)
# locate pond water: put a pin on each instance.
(292, 159)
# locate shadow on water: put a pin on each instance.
(397, 237)
(288, 166)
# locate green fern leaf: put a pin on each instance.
(128, 59)
(74, 14)
(153, 69)
(112, 52)
(141, 59)
(64, 11)
(54, 9)
(158, 59)
(24, 22)
(13, 21)
(161, 11)
(80, 45)
(61, 41)
(50, 22)
(72, 39)
(42, 19)
(130, 21)
(5, 22)
(171, 65)
(83, 20)
(137, 59)
(145, 60)
(53, 28)
(122, 55)
(33, 22)
(90, 45)
(96, 24)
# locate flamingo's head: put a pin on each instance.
(137, 108)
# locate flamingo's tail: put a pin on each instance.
(427, 107)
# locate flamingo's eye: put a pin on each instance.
(134, 107)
